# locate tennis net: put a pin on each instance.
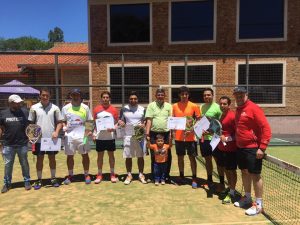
(281, 190)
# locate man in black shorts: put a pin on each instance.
(253, 134)
(49, 118)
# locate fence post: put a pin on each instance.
(56, 80)
(247, 73)
(123, 81)
(185, 70)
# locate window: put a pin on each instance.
(129, 23)
(263, 74)
(135, 75)
(197, 75)
(192, 21)
(261, 19)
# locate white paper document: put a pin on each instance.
(105, 123)
(215, 141)
(49, 144)
(129, 130)
(202, 124)
(76, 133)
(120, 132)
(176, 123)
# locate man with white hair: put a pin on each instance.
(13, 122)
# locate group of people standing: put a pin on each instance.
(246, 134)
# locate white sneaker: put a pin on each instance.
(156, 183)
(128, 180)
(243, 202)
(163, 182)
(142, 179)
(254, 210)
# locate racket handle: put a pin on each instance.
(33, 147)
(202, 139)
(84, 140)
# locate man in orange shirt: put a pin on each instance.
(185, 139)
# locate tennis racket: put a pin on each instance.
(215, 127)
(33, 132)
(89, 126)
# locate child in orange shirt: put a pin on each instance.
(161, 157)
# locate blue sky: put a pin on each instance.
(36, 17)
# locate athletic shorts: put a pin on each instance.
(133, 148)
(76, 145)
(39, 152)
(205, 148)
(186, 147)
(102, 145)
(246, 158)
(226, 159)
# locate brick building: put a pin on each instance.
(165, 29)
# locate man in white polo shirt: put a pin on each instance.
(48, 117)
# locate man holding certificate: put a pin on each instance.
(75, 114)
(48, 117)
(132, 119)
(157, 114)
(185, 139)
(106, 117)
(211, 110)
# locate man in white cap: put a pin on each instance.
(13, 122)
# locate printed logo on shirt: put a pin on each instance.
(243, 114)
(14, 119)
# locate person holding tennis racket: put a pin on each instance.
(49, 118)
(253, 134)
(185, 139)
(13, 122)
(133, 115)
(211, 110)
(75, 114)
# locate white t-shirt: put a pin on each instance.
(46, 118)
(132, 116)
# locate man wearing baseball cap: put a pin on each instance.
(13, 122)
(75, 114)
(253, 134)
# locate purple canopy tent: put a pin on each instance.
(18, 90)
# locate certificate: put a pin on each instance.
(120, 132)
(201, 125)
(176, 123)
(214, 141)
(49, 144)
(129, 130)
(76, 133)
(105, 123)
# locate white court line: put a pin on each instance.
(282, 140)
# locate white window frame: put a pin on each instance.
(261, 39)
(192, 42)
(132, 43)
(283, 62)
(194, 85)
(149, 65)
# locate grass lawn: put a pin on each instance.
(108, 203)
(289, 154)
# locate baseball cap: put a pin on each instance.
(239, 90)
(76, 91)
(15, 98)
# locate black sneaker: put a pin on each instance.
(54, 182)
(5, 188)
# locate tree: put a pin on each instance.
(56, 35)
(23, 43)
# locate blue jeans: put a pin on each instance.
(160, 170)
(9, 154)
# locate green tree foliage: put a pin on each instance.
(56, 35)
(23, 43)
